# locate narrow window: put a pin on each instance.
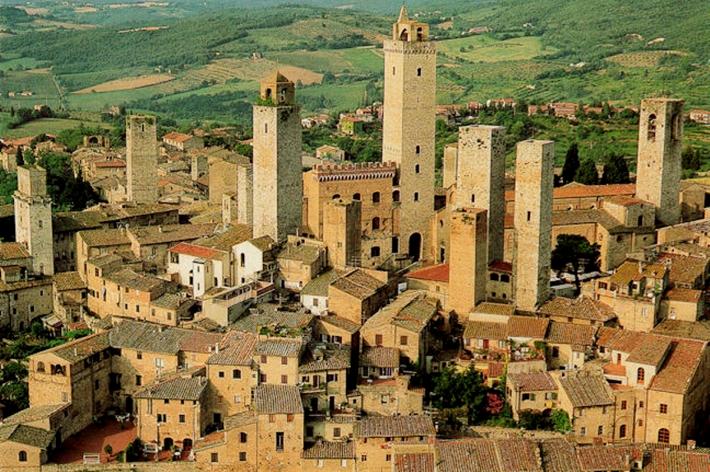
(279, 441)
(622, 431)
(376, 223)
(376, 197)
(416, 196)
(529, 215)
(416, 169)
(651, 130)
(419, 71)
(640, 375)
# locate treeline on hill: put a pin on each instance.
(579, 34)
(192, 41)
(24, 115)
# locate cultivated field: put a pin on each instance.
(487, 49)
(127, 83)
(642, 58)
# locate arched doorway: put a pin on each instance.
(415, 246)
(167, 444)
(187, 444)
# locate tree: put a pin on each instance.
(560, 421)
(587, 173)
(615, 170)
(571, 165)
(19, 157)
(453, 389)
(690, 158)
(575, 251)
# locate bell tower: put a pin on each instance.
(409, 128)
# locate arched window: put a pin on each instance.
(40, 366)
(622, 431)
(420, 34)
(356, 196)
(664, 436)
(640, 375)
(22, 456)
(376, 223)
(376, 197)
(268, 94)
(404, 35)
(395, 196)
(336, 196)
(494, 277)
(651, 129)
(505, 278)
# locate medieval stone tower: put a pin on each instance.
(659, 156)
(341, 232)
(533, 222)
(409, 127)
(33, 218)
(142, 159)
(468, 267)
(480, 179)
(278, 186)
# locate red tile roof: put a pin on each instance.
(575, 190)
(438, 273)
(177, 137)
(501, 266)
(196, 251)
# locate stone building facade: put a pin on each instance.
(409, 127)
(468, 268)
(277, 160)
(33, 218)
(142, 159)
(659, 156)
(533, 222)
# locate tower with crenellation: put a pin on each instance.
(277, 184)
(659, 167)
(33, 217)
(141, 159)
(409, 129)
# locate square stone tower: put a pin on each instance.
(278, 185)
(142, 159)
(659, 156)
(341, 232)
(480, 179)
(33, 217)
(451, 155)
(468, 266)
(534, 173)
(245, 179)
(409, 128)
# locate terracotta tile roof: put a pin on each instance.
(80, 349)
(263, 243)
(527, 327)
(27, 435)
(558, 455)
(34, 413)
(496, 369)
(485, 330)
(9, 251)
(586, 389)
(438, 273)
(228, 238)
(305, 253)
(198, 251)
(582, 307)
(240, 419)
(128, 278)
(129, 334)
(680, 366)
(198, 341)
(668, 460)
(238, 349)
(593, 458)
(380, 357)
(619, 339)
(626, 200)
(71, 221)
(271, 315)
(684, 270)
(105, 237)
(570, 333)
(411, 310)
(321, 357)
(684, 295)
(652, 350)
(577, 190)
(170, 233)
(394, 426)
(414, 462)
(273, 399)
(339, 322)
(467, 456)
(330, 450)
(68, 281)
(318, 287)
(631, 271)
(533, 381)
(359, 284)
(278, 347)
(489, 308)
(683, 329)
(179, 388)
(518, 455)
(178, 137)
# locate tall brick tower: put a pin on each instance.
(142, 159)
(468, 267)
(533, 222)
(659, 156)
(409, 127)
(480, 179)
(278, 185)
(33, 217)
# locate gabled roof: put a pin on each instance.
(35, 413)
(238, 349)
(571, 333)
(485, 330)
(10, 251)
(359, 284)
(27, 435)
(394, 426)
(533, 381)
(330, 450)
(437, 273)
(273, 399)
(318, 287)
(278, 347)
(527, 327)
(679, 367)
(322, 357)
(587, 389)
(582, 307)
(179, 388)
(379, 356)
(411, 310)
(80, 349)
